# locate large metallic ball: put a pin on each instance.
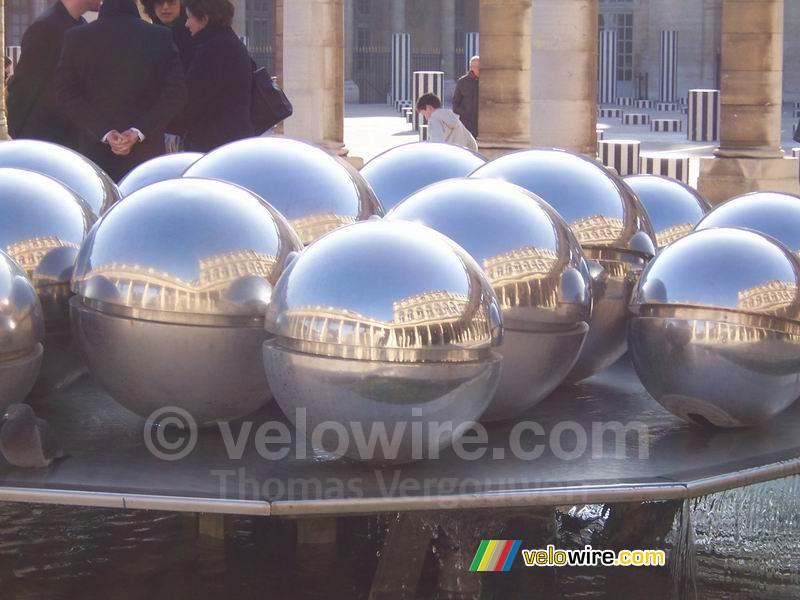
(773, 213)
(537, 270)
(401, 171)
(75, 171)
(611, 226)
(383, 325)
(42, 226)
(313, 189)
(715, 336)
(674, 208)
(160, 168)
(21, 333)
(172, 286)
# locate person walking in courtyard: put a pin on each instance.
(33, 109)
(465, 98)
(444, 125)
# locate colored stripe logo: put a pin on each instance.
(495, 555)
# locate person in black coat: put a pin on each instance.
(172, 14)
(465, 98)
(33, 110)
(121, 81)
(219, 80)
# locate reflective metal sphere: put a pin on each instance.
(383, 324)
(537, 270)
(172, 285)
(160, 168)
(309, 186)
(674, 208)
(21, 333)
(715, 336)
(42, 226)
(773, 213)
(611, 226)
(401, 171)
(75, 171)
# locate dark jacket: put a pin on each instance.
(33, 110)
(465, 102)
(181, 37)
(219, 82)
(119, 73)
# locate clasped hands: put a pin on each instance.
(121, 143)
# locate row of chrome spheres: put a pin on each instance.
(484, 287)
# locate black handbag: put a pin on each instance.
(268, 104)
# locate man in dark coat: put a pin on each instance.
(121, 81)
(172, 14)
(33, 110)
(465, 98)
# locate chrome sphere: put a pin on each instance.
(75, 171)
(42, 226)
(537, 270)
(21, 333)
(773, 213)
(382, 325)
(674, 208)
(313, 189)
(160, 168)
(715, 336)
(178, 276)
(612, 227)
(401, 171)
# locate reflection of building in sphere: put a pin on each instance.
(714, 332)
(521, 277)
(311, 227)
(29, 253)
(145, 287)
(429, 319)
(597, 230)
(666, 236)
(768, 297)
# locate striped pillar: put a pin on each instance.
(600, 134)
(426, 82)
(607, 67)
(668, 89)
(668, 106)
(621, 155)
(795, 152)
(636, 119)
(408, 113)
(670, 125)
(401, 68)
(669, 165)
(609, 113)
(13, 53)
(626, 101)
(646, 104)
(472, 47)
(703, 122)
(423, 133)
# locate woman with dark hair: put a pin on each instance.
(171, 13)
(219, 80)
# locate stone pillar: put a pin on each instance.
(564, 75)
(504, 105)
(749, 157)
(240, 17)
(350, 87)
(448, 44)
(313, 65)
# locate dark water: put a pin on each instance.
(746, 544)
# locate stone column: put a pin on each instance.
(350, 87)
(564, 75)
(313, 65)
(505, 28)
(448, 44)
(398, 16)
(749, 156)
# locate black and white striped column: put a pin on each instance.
(704, 113)
(423, 133)
(609, 113)
(426, 82)
(401, 69)
(643, 104)
(626, 101)
(668, 106)
(636, 119)
(601, 134)
(13, 53)
(472, 46)
(668, 90)
(668, 165)
(795, 152)
(607, 67)
(622, 155)
(670, 125)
